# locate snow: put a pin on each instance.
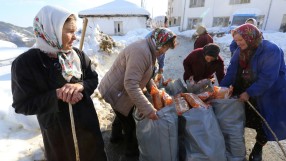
(7, 44)
(117, 7)
(20, 137)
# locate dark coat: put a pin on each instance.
(269, 87)
(195, 65)
(203, 40)
(35, 78)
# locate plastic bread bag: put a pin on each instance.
(222, 92)
(175, 87)
(156, 98)
(205, 95)
(194, 101)
(181, 105)
(199, 87)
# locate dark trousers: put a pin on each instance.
(116, 132)
(129, 128)
(255, 122)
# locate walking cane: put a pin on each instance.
(74, 133)
(70, 106)
(267, 125)
(85, 20)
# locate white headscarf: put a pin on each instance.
(48, 27)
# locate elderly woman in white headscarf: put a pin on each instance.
(51, 76)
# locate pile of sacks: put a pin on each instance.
(199, 122)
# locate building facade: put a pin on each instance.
(115, 18)
(188, 14)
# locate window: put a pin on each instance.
(238, 1)
(220, 21)
(197, 3)
(193, 23)
(118, 27)
(283, 24)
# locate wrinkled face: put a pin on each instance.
(209, 58)
(68, 34)
(166, 25)
(241, 43)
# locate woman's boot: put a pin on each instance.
(256, 153)
(116, 131)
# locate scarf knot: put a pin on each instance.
(70, 63)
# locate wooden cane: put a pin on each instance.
(74, 133)
(269, 128)
(85, 20)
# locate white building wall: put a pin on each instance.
(106, 24)
(276, 14)
(222, 8)
(175, 11)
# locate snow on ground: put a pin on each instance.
(20, 137)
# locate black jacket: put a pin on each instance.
(35, 78)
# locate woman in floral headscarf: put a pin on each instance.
(49, 77)
(122, 86)
(257, 72)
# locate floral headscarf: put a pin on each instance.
(48, 26)
(250, 34)
(161, 36)
(252, 37)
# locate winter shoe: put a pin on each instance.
(116, 139)
(116, 132)
(128, 158)
(256, 153)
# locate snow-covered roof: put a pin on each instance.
(115, 8)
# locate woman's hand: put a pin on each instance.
(76, 97)
(244, 97)
(161, 71)
(192, 81)
(70, 93)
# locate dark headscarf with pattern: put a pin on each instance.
(253, 38)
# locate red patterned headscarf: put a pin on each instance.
(250, 34)
(252, 37)
(161, 36)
